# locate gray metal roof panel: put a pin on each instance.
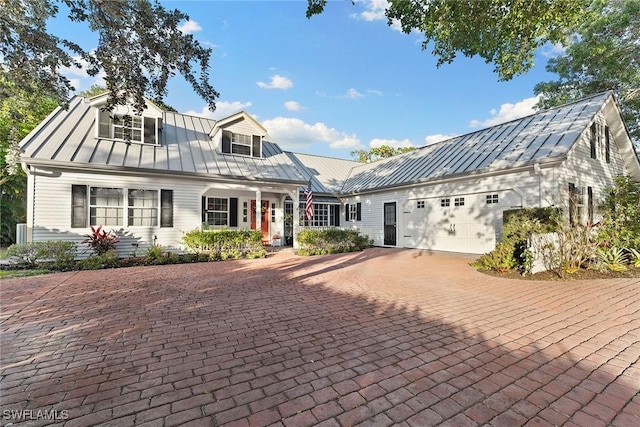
(68, 137)
(546, 135)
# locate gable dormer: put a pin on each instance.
(239, 134)
(122, 123)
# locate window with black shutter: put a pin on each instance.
(78, 206)
(607, 144)
(594, 131)
(166, 208)
(233, 212)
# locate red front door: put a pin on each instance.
(264, 219)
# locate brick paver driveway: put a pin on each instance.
(383, 337)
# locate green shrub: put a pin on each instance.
(57, 254)
(60, 253)
(225, 244)
(518, 227)
(26, 253)
(614, 258)
(96, 262)
(331, 240)
(620, 226)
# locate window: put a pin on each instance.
(458, 201)
(492, 199)
(124, 127)
(353, 212)
(106, 206)
(445, 202)
(241, 144)
(217, 211)
(143, 208)
(245, 211)
(576, 204)
(324, 215)
(273, 212)
(128, 128)
(420, 204)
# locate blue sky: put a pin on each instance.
(340, 81)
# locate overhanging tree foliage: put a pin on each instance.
(379, 153)
(503, 32)
(605, 55)
(139, 48)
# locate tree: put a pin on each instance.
(140, 47)
(604, 55)
(18, 116)
(503, 32)
(379, 153)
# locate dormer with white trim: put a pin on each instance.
(124, 124)
(239, 134)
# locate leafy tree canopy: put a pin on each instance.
(379, 153)
(503, 32)
(139, 48)
(604, 55)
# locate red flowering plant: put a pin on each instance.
(101, 241)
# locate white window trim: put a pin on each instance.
(124, 217)
(353, 211)
(132, 141)
(207, 210)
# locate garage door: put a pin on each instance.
(468, 223)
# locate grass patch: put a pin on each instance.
(6, 274)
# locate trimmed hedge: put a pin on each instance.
(331, 241)
(58, 254)
(225, 244)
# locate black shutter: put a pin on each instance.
(257, 152)
(204, 209)
(149, 130)
(233, 212)
(346, 212)
(78, 206)
(166, 208)
(336, 215)
(359, 211)
(572, 203)
(226, 141)
(593, 140)
(590, 204)
(607, 142)
(104, 124)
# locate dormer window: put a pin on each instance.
(129, 128)
(241, 144)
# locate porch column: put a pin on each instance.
(295, 196)
(258, 212)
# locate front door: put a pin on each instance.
(264, 219)
(390, 224)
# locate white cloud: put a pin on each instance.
(437, 137)
(507, 112)
(223, 109)
(551, 50)
(353, 94)
(190, 27)
(293, 106)
(395, 143)
(294, 134)
(277, 82)
(374, 92)
(79, 78)
(375, 10)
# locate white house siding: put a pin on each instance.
(472, 228)
(52, 214)
(583, 171)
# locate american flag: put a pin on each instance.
(309, 206)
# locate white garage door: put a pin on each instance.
(468, 223)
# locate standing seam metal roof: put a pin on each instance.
(544, 136)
